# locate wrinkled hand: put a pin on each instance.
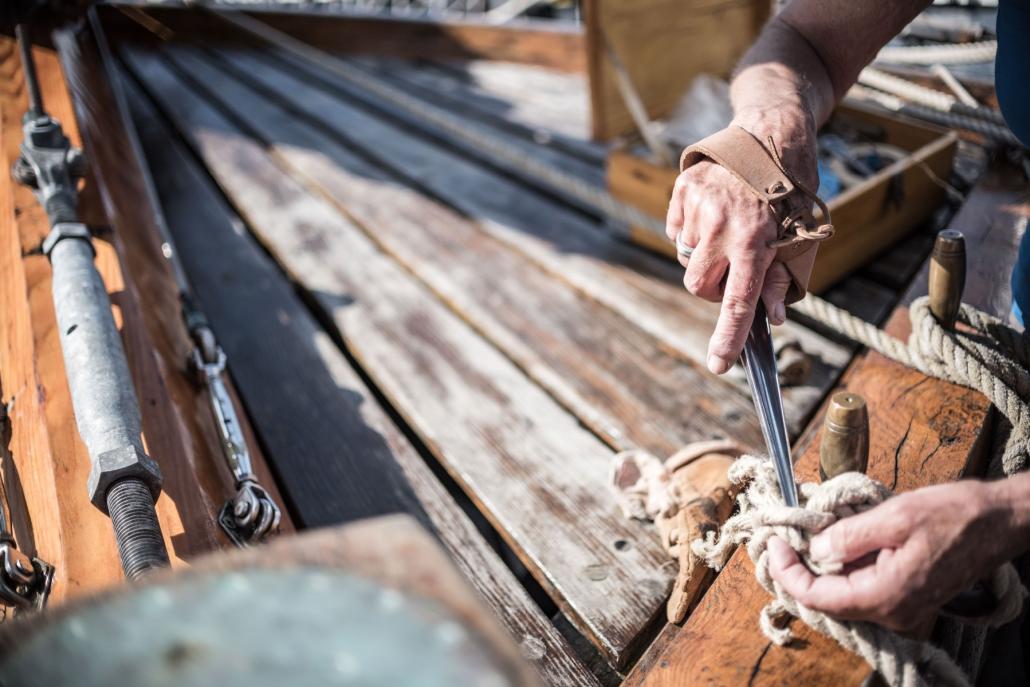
(903, 559)
(729, 229)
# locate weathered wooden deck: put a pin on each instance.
(513, 338)
(411, 326)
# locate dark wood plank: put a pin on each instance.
(343, 422)
(612, 375)
(643, 288)
(923, 432)
(557, 46)
(532, 468)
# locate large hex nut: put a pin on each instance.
(66, 230)
(118, 464)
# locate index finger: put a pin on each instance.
(743, 288)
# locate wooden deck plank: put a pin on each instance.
(612, 375)
(508, 114)
(131, 213)
(924, 431)
(522, 139)
(242, 274)
(642, 287)
(558, 45)
(535, 95)
(533, 470)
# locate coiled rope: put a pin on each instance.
(928, 97)
(957, 53)
(901, 661)
(992, 358)
(952, 120)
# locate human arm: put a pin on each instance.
(785, 88)
(911, 554)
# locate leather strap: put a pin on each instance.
(759, 167)
(744, 157)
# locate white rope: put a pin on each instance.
(904, 88)
(928, 97)
(957, 53)
(992, 359)
(901, 661)
(952, 120)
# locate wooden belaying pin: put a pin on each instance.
(947, 276)
(845, 442)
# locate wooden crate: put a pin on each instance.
(869, 217)
(664, 45)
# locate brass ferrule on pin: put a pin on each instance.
(845, 440)
(947, 276)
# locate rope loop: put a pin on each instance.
(903, 662)
(984, 354)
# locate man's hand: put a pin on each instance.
(730, 229)
(905, 558)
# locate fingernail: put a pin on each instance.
(780, 313)
(717, 364)
(820, 548)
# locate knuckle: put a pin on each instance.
(694, 282)
(736, 307)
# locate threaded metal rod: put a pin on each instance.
(29, 65)
(136, 529)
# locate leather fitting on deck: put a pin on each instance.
(760, 168)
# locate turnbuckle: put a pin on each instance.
(24, 581)
(250, 515)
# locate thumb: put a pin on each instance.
(774, 291)
(852, 538)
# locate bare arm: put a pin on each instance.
(786, 86)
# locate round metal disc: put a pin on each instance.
(259, 628)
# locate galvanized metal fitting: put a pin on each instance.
(122, 463)
(67, 230)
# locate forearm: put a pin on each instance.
(782, 90)
(782, 72)
(1011, 499)
(805, 59)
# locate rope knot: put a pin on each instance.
(901, 661)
